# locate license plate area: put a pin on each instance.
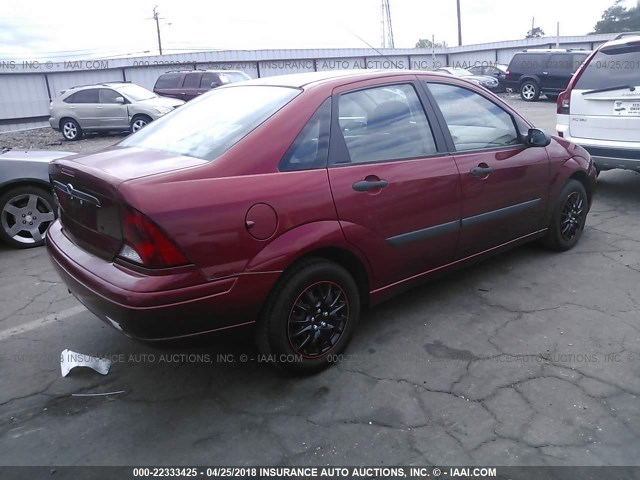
(626, 108)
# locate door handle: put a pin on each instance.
(99, 108)
(366, 185)
(481, 170)
(545, 73)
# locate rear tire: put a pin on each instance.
(70, 129)
(529, 91)
(569, 217)
(310, 317)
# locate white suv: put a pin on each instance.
(600, 109)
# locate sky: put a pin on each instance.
(50, 30)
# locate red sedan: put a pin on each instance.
(296, 201)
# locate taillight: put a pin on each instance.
(147, 245)
(563, 103)
(507, 75)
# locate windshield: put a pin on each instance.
(136, 93)
(619, 65)
(208, 126)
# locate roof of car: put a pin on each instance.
(623, 40)
(554, 50)
(300, 80)
(209, 70)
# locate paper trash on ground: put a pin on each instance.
(70, 359)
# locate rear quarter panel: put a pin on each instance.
(204, 209)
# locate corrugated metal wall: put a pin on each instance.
(25, 91)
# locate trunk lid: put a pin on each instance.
(87, 191)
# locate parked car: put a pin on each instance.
(104, 107)
(488, 82)
(188, 84)
(600, 109)
(265, 202)
(27, 206)
(537, 71)
(498, 71)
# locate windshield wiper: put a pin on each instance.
(609, 89)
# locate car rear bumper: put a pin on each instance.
(605, 156)
(55, 123)
(608, 158)
(135, 305)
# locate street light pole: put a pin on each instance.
(156, 17)
(459, 24)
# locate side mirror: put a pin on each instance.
(537, 138)
(215, 84)
(120, 100)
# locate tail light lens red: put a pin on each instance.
(146, 244)
(507, 75)
(563, 103)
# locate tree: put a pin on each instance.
(424, 43)
(618, 18)
(536, 32)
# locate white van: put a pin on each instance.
(600, 109)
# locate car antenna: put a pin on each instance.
(369, 45)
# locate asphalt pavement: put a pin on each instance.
(529, 358)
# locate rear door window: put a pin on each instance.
(168, 80)
(84, 96)
(560, 62)
(191, 80)
(385, 123)
(610, 67)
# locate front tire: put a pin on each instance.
(529, 91)
(139, 122)
(569, 217)
(310, 317)
(25, 215)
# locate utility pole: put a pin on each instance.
(156, 17)
(459, 24)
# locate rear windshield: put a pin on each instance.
(208, 126)
(619, 65)
(230, 77)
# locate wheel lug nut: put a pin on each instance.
(30, 223)
(29, 213)
(23, 215)
(24, 221)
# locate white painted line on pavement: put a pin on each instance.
(40, 322)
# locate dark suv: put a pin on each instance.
(532, 72)
(188, 84)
